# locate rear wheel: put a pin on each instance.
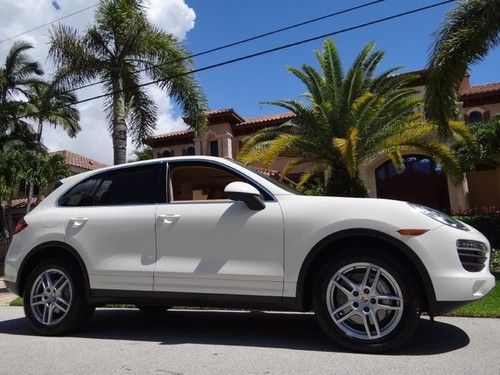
(54, 299)
(153, 309)
(367, 301)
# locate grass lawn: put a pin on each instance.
(487, 307)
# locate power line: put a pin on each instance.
(267, 51)
(48, 23)
(242, 41)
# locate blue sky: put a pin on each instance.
(244, 85)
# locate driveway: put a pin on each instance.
(234, 342)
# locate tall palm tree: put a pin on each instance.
(48, 103)
(18, 71)
(468, 33)
(118, 48)
(347, 119)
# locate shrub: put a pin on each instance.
(487, 224)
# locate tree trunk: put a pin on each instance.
(342, 184)
(119, 125)
(30, 197)
(10, 224)
(40, 130)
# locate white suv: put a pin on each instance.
(204, 231)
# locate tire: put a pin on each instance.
(67, 292)
(153, 309)
(349, 318)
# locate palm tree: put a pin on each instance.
(468, 33)
(120, 46)
(41, 170)
(48, 103)
(347, 120)
(18, 71)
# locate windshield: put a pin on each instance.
(273, 180)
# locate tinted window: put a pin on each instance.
(138, 185)
(79, 194)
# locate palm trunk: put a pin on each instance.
(342, 184)
(40, 130)
(119, 125)
(10, 224)
(30, 197)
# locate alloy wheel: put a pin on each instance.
(364, 300)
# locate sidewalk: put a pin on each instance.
(5, 296)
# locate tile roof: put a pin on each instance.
(79, 161)
(260, 120)
(487, 88)
(180, 133)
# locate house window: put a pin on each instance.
(475, 116)
(167, 153)
(190, 151)
(214, 148)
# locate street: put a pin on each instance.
(235, 342)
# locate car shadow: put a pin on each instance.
(239, 328)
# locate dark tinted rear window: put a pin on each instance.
(138, 185)
(79, 195)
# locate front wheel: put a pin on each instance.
(54, 299)
(367, 301)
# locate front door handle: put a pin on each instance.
(77, 221)
(169, 218)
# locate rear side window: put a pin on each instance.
(128, 186)
(79, 195)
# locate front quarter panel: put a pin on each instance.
(308, 220)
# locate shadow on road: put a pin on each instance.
(273, 330)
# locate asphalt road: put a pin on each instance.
(232, 342)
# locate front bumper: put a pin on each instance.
(453, 285)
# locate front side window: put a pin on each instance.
(128, 186)
(199, 182)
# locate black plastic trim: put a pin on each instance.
(106, 296)
(357, 232)
(54, 244)
(11, 287)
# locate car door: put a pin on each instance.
(110, 221)
(209, 244)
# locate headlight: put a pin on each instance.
(439, 216)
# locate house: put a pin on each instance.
(422, 181)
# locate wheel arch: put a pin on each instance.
(324, 248)
(52, 249)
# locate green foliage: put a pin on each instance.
(485, 150)
(467, 34)
(487, 307)
(18, 301)
(348, 118)
(145, 153)
(117, 48)
(489, 225)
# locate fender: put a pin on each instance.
(54, 244)
(422, 273)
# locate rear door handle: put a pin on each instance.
(169, 218)
(77, 221)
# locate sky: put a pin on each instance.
(244, 86)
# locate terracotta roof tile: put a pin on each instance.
(79, 161)
(487, 88)
(180, 133)
(267, 119)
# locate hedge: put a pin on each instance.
(487, 224)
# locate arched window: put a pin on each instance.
(475, 116)
(166, 153)
(190, 150)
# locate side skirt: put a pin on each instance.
(111, 296)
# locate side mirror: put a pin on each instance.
(241, 191)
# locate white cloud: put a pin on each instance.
(94, 141)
